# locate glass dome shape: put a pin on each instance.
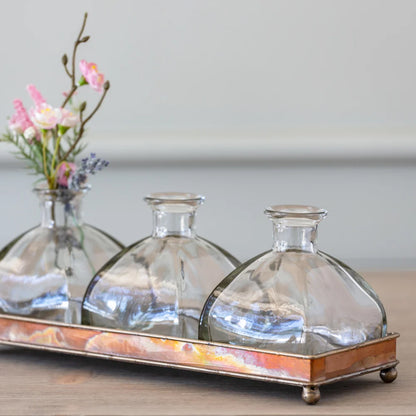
(294, 298)
(44, 272)
(159, 284)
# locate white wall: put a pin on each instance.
(192, 65)
(250, 102)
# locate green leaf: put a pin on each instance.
(25, 151)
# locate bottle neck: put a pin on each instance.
(60, 211)
(173, 224)
(294, 237)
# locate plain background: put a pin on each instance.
(248, 102)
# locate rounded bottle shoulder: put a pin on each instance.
(60, 236)
(40, 246)
(271, 268)
(150, 248)
(272, 262)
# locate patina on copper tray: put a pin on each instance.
(310, 372)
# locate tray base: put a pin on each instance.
(309, 372)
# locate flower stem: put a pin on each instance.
(45, 166)
(57, 145)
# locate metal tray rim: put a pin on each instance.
(388, 336)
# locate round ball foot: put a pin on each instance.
(311, 394)
(388, 375)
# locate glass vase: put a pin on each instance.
(159, 284)
(293, 298)
(44, 272)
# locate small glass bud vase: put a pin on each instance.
(159, 284)
(44, 272)
(293, 298)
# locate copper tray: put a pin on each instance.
(310, 372)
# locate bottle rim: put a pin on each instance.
(174, 198)
(43, 189)
(296, 211)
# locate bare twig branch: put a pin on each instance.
(77, 42)
(84, 122)
(74, 53)
(70, 94)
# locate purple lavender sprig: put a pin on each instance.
(89, 166)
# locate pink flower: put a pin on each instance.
(91, 75)
(65, 171)
(68, 118)
(20, 120)
(45, 117)
(36, 95)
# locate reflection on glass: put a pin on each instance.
(293, 298)
(44, 273)
(159, 284)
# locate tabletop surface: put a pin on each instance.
(42, 383)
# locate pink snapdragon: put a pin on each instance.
(65, 171)
(20, 120)
(36, 95)
(68, 118)
(45, 117)
(91, 75)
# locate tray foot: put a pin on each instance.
(311, 394)
(388, 375)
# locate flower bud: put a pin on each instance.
(106, 85)
(83, 106)
(64, 59)
(85, 39)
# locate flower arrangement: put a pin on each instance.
(49, 138)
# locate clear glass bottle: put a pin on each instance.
(293, 298)
(45, 271)
(159, 284)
